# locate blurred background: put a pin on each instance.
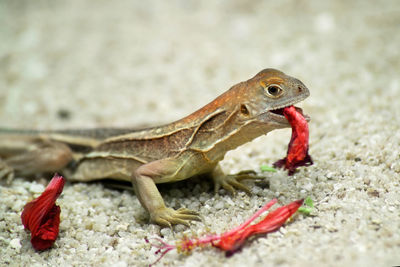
(96, 63)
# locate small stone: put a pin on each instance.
(219, 205)
(36, 188)
(165, 232)
(372, 192)
(122, 226)
(180, 228)
(330, 175)
(256, 190)
(99, 227)
(17, 205)
(308, 187)
(16, 244)
(396, 167)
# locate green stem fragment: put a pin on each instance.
(309, 202)
(266, 168)
(304, 210)
(308, 206)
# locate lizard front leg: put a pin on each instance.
(143, 181)
(231, 182)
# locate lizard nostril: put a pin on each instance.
(300, 89)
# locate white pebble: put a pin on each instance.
(36, 188)
(219, 205)
(396, 167)
(165, 232)
(308, 187)
(122, 226)
(16, 244)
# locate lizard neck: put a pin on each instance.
(226, 131)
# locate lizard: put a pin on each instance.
(191, 146)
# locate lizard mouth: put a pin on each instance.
(279, 112)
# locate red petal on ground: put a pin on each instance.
(47, 233)
(42, 217)
(275, 219)
(297, 154)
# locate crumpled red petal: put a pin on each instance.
(42, 216)
(234, 240)
(297, 154)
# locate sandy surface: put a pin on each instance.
(70, 64)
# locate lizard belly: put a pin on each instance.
(187, 165)
(96, 168)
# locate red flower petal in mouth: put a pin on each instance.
(42, 216)
(297, 154)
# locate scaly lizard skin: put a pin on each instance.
(191, 146)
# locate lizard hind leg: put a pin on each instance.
(43, 156)
(144, 179)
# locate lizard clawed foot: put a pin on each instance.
(232, 182)
(6, 172)
(168, 217)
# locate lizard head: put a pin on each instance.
(267, 93)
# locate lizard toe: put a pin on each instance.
(248, 175)
(231, 183)
(246, 172)
(167, 217)
(224, 183)
(176, 220)
(162, 222)
(186, 211)
(235, 182)
(217, 186)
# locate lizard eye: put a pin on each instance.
(274, 90)
(244, 110)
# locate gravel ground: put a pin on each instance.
(70, 64)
